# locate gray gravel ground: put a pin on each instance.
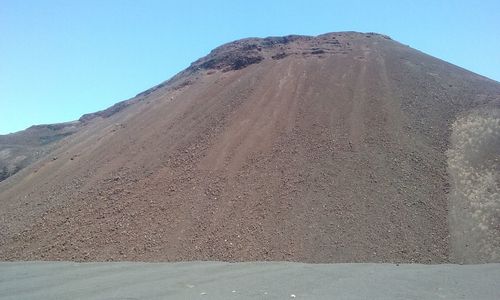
(274, 280)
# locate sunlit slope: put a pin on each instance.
(313, 149)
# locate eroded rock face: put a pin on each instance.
(474, 166)
(231, 61)
(240, 54)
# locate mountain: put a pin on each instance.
(343, 147)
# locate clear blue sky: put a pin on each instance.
(61, 59)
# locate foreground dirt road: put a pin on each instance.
(213, 280)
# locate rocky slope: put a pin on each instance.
(317, 149)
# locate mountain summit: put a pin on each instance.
(343, 147)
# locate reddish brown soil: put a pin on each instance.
(313, 149)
